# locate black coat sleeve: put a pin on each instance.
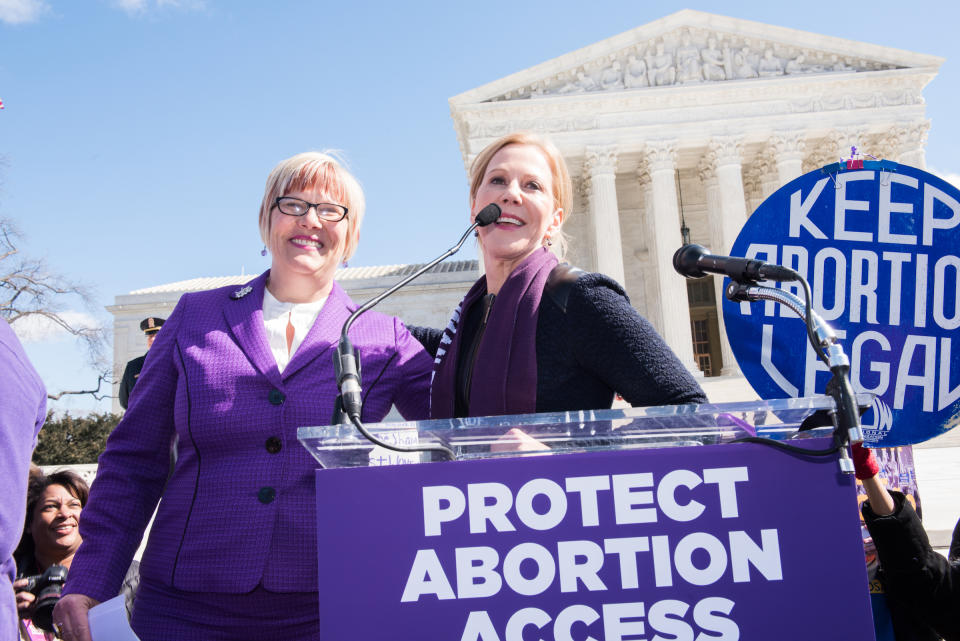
(913, 573)
(129, 380)
(428, 337)
(612, 340)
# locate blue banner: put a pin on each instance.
(879, 246)
(719, 542)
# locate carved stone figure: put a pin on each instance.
(838, 65)
(585, 82)
(612, 77)
(769, 65)
(636, 73)
(688, 61)
(662, 71)
(742, 64)
(796, 65)
(712, 61)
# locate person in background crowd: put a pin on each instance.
(23, 408)
(150, 327)
(554, 337)
(51, 537)
(915, 577)
(235, 371)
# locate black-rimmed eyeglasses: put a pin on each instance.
(329, 212)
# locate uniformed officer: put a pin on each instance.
(150, 327)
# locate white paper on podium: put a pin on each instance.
(108, 621)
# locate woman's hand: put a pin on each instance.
(517, 440)
(25, 600)
(70, 617)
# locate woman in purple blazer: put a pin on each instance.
(233, 373)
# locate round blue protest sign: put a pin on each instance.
(879, 246)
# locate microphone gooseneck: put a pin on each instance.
(346, 361)
(693, 261)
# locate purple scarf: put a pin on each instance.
(505, 370)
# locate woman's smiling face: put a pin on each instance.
(519, 180)
(306, 244)
(54, 524)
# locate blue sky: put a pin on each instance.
(137, 134)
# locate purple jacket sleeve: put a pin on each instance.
(23, 402)
(130, 475)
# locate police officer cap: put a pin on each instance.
(151, 325)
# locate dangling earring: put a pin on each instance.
(476, 234)
(549, 242)
(345, 264)
(263, 252)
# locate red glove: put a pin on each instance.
(864, 462)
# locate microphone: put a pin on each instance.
(487, 215)
(693, 261)
(346, 361)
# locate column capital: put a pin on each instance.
(707, 169)
(908, 137)
(847, 137)
(643, 174)
(788, 145)
(752, 182)
(660, 155)
(725, 150)
(821, 154)
(600, 160)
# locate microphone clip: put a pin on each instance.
(346, 367)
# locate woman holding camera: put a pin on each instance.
(50, 539)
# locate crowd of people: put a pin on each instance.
(233, 372)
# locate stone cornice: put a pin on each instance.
(846, 102)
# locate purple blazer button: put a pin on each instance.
(276, 397)
(266, 494)
(273, 445)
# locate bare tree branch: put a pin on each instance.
(96, 393)
(29, 289)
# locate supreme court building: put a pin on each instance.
(677, 128)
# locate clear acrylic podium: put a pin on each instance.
(648, 510)
(566, 432)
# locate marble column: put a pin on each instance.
(600, 167)
(731, 215)
(708, 176)
(725, 152)
(672, 305)
(788, 148)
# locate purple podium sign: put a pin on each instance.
(711, 543)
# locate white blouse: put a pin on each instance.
(276, 317)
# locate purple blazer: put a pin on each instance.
(23, 408)
(239, 509)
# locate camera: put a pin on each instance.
(47, 588)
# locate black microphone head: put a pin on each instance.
(487, 215)
(685, 260)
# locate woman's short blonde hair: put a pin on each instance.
(562, 186)
(319, 170)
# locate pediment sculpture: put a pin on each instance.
(692, 56)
